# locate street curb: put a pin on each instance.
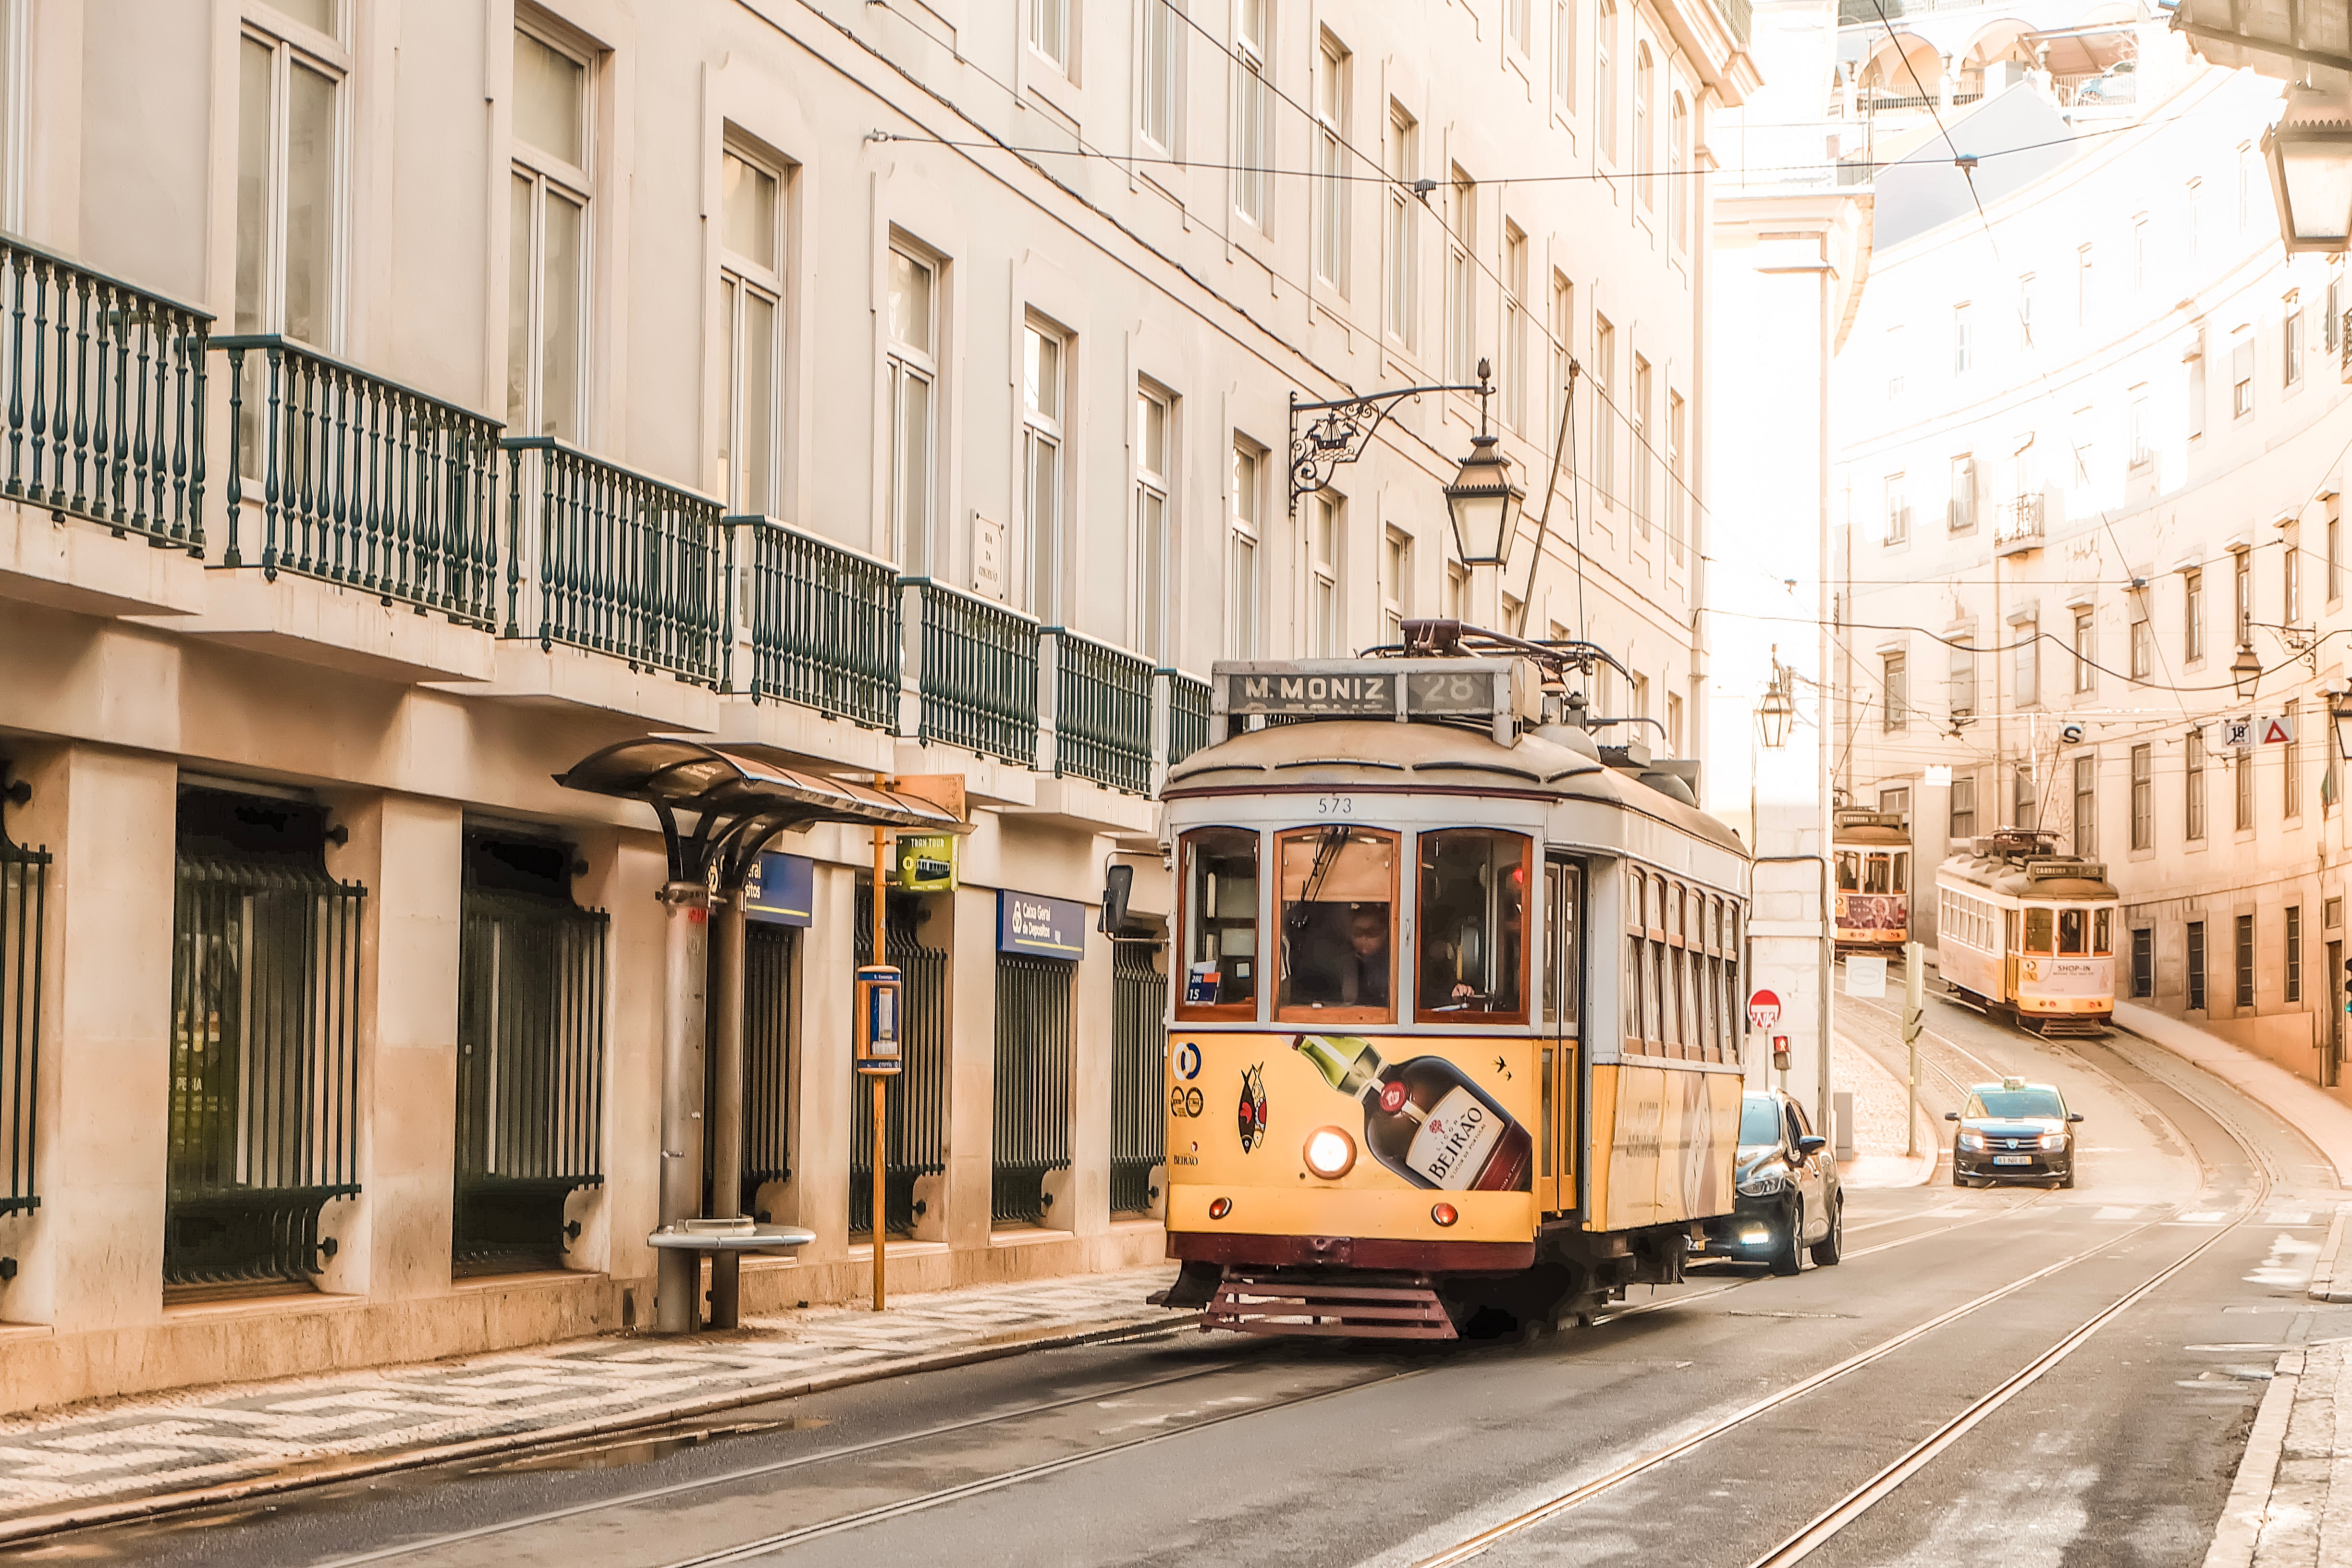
(27, 1527)
(2238, 1530)
(2326, 1285)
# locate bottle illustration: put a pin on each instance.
(1424, 1118)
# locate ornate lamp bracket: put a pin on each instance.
(1339, 431)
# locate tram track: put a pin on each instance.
(1826, 1525)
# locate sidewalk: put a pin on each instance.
(1879, 1102)
(121, 1458)
(2316, 1113)
(2293, 1497)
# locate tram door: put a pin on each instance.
(1563, 999)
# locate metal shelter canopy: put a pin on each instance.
(739, 803)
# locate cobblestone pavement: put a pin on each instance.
(2286, 1510)
(236, 1432)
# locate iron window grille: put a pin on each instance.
(1031, 1109)
(24, 906)
(771, 1007)
(914, 1136)
(1139, 1129)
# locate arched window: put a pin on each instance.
(1645, 161)
(1604, 56)
(1682, 199)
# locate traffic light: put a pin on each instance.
(1913, 1021)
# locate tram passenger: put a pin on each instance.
(1364, 970)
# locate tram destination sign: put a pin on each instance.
(1365, 688)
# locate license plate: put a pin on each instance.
(2013, 1159)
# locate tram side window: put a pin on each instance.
(1564, 904)
(1849, 871)
(1902, 872)
(2103, 933)
(1472, 926)
(2074, 932)
(1637, 897)
(2038, 925)
(1219, 924)
(1339, 925)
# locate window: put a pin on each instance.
(2334, 556)
(1681, 198)
(2241, 769)
(1896, 675)
(2143, 797)
(2192, 617)
(2291, 762)
(2291, 343)
(1963, 341)
(1963, 672)
(912, 372)
(1155, 435)
(1338, 941)
(1563, 322)
(2143, 963)
(1219, 924)
(1515, 327)
(2041, 932)
(2193, 764)
(1960, 514)
(2083, 287)
(2143, 641)
(1564, 52)
(288, 179)
(2086, 806)
(1898, 512)
(1462, 281)
(2242, 582)
(1677, 486)
(2025, 313)
(1516, 22)
(2086, 650)
(1645, 160)
(2141, 454)
(547, 268)
(1638, 450)
(1049, 31)
(1964, 806)
(2196, 966)
(2140, 255)
(1457, 589)
(1401, 237)
(1896, 801)
(1254, 111)
(2025, 805)
(2025, 662)
(751, 317)
(1604, 79)
(2291, 580)
(1330, 167)
(1243, 588)
(2294, 952)
(2245, 965)
(1159, 96)
(1324, 608)
(2192, 218)
(1396, 583)
(1472, 928)
(14, 118)
(2197, 387)
(1042, 353)
(2241, 378)
(1604, 411)
(1674, 724)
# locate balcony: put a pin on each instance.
(1188, 715)
(976, 671)
(2017, 524)
(825, 623)
(1102, 713)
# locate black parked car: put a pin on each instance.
(1789, 1199)
(2013, 1132)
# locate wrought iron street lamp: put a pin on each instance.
(1485, 503)
(1344, 426)
(1777, 712)
(2339, 714)
(2245, 670)
(2309, 152)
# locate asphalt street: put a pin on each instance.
(2027, 1376)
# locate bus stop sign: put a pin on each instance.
(1763, 1011)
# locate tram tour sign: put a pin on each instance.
(1396, 688)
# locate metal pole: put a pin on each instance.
(727, 1104)
(685, 941)
(1913, 1020)
(881, 955)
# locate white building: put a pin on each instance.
(977, 324)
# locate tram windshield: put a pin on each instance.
(1473, 925)
(1876, 875)
(2037, 929)
(1849, 871)
(1219, 924)
(1339, 925)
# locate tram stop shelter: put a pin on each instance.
(717, 811)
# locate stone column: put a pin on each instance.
(1093, 1024)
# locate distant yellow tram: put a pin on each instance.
(1873, 880)
(2028, 932)
(1457, 1010)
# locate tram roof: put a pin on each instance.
(2044, 879)
(1385, 754)
(1868, 836)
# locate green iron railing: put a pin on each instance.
(825, 623)
(613, 561)
(105, 399)
(1138, 1121)
(978, 673)
(264, 1091)
(23, 908)
(915, 1127)
(363, 482)
(1031, 1132)
(1188, 716)
(1102, 713)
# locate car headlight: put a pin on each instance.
(1330, 1152)
(1972, 1141)
(2054, 1140)
(1763, 1182)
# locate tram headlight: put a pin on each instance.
(1330, 1152)
(1763, 1179)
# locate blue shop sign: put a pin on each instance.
(782, 889)
(1030, 922)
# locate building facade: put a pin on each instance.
(2091, 447)
(407, 402)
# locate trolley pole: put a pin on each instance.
(1914, 1020)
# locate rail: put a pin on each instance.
(2018, 520)
(1188, 716)
(978, 675)
(616, 561)
(1102, 713)
(1031, 1132)
(825, 623)
(362, 482)
(106, 398)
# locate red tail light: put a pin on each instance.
(1443, 1214)
(1220, 1207)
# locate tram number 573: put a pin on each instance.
(1334, 806)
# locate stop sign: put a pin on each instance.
(1763, 1011)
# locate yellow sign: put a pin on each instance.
(927, 863)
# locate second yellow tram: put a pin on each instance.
(1873, 880)
(2028, 932)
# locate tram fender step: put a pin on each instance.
(1373, 1307)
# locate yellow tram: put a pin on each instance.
(1457, 1013)
(1873, 880)
(2028, 932)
